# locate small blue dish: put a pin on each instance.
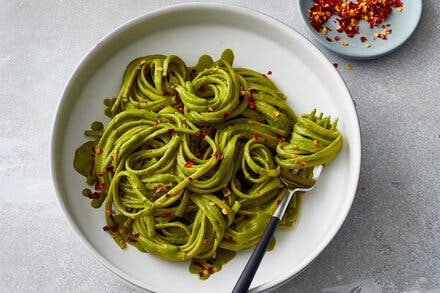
(401, 23)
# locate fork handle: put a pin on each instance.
(254, 261)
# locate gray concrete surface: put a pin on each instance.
(390, 241)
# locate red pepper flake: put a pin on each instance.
(110, 168)
(388, 24)
(171, 120)
(278, 201)
(383, 26)
(180, 109)
(264, 75)
(254, 136)
(335, 65)
(251, 103)
(99, 186)
(115, 227)
(106, 228)
(95, 195)
(188, 164)
(328, 39)
(202, 267)
(349, 14)
(158, 189)
(215, 154)
(363, 39)
(190, 179)
(170, 131)
(97, 150)
(200, 133)
(131, 240)
(136, 236)
(167, 195)
(166, 215)
(172, 73)
(269, 72)
(337, 38)
(101, 174)
(303, 164)
(168, 187)
(165, 93)
(281, 138)
(193, 73)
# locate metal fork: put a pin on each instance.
(254, 261)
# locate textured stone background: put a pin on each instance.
(390, 241)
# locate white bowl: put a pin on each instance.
(260, 42)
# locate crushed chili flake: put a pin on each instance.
(115, 227)
(200, 133)
(254, 136)
(269, 72)
(131, 240)
(264, 75)
(171, 120)
(95, 195)
(335, 65)
(101, 174)
(167, 195)
(251, 103)
(337, 38)
(110, 168)
(328, 39)
(170, 131)
(166, 215)
(363, 39)
(280, 138)
(165, 93)
(168, 187)
(188, 164)
(190, 179)
(106, 228)
(158, 188)
(303, 164)
(349, 14)
(136, 236)
(180, 110)
(99, 186)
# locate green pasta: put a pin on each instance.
(189, 162)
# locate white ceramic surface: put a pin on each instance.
(259, 42)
